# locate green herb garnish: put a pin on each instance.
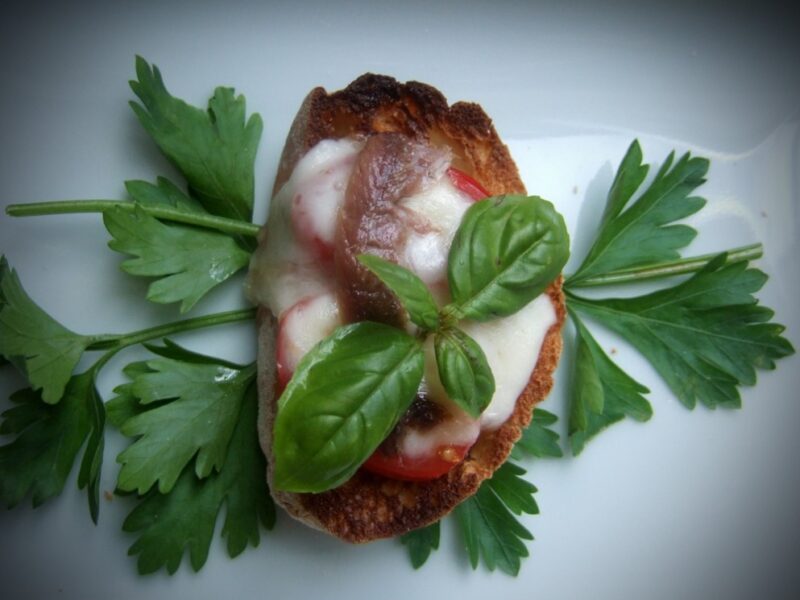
(414, 295)
(195, 407)
(487, 521)
(421, 543)
(528, 246)
(214, 149)
(193, 417)
(705, 336)
(45, 351)
(644, 232)
(48, 439)
(178, 390)
(190, 261)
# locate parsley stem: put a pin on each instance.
(668, 268)
(168, 213)
(116, 342)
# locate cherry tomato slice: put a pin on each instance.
(422, 468)
(467, 184)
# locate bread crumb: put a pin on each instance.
(613, 350)
(108, 495)
(407, 499)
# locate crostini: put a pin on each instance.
(389, 169)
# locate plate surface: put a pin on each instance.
(692, 504)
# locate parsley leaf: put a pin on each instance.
(603, 393)
(191, 261)
(125, 404)
(705, 336)
(486, 520)
(420, 543)
(184, 519)
(215, 149)
(48, 439)
(642, 233)
(164, 192)
(538, 439)
(199, 404)
(44, 350)
(92, 462)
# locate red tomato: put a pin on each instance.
(421, 468)
(467, 184)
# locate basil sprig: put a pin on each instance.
(344, 399)
(350, 391)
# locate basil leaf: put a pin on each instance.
(345, 397)
(412, 292)
(506, 251)
(463, 370)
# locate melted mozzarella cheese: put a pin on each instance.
(283, 270)
(512, 347)
(320, 182)
(459, 429)
(304, 325)
(433, 215)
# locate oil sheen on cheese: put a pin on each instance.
(286, 270)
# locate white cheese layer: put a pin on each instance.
(512, 347)
(306, 324)
(433, 216)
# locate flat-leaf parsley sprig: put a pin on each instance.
(61, 410)
(190, 241)
(705, 336)
(184, 470)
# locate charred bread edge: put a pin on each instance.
(369, 506)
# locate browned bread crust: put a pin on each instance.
(370, 506)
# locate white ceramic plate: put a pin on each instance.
(690, 505)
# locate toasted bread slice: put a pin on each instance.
(369, 506)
